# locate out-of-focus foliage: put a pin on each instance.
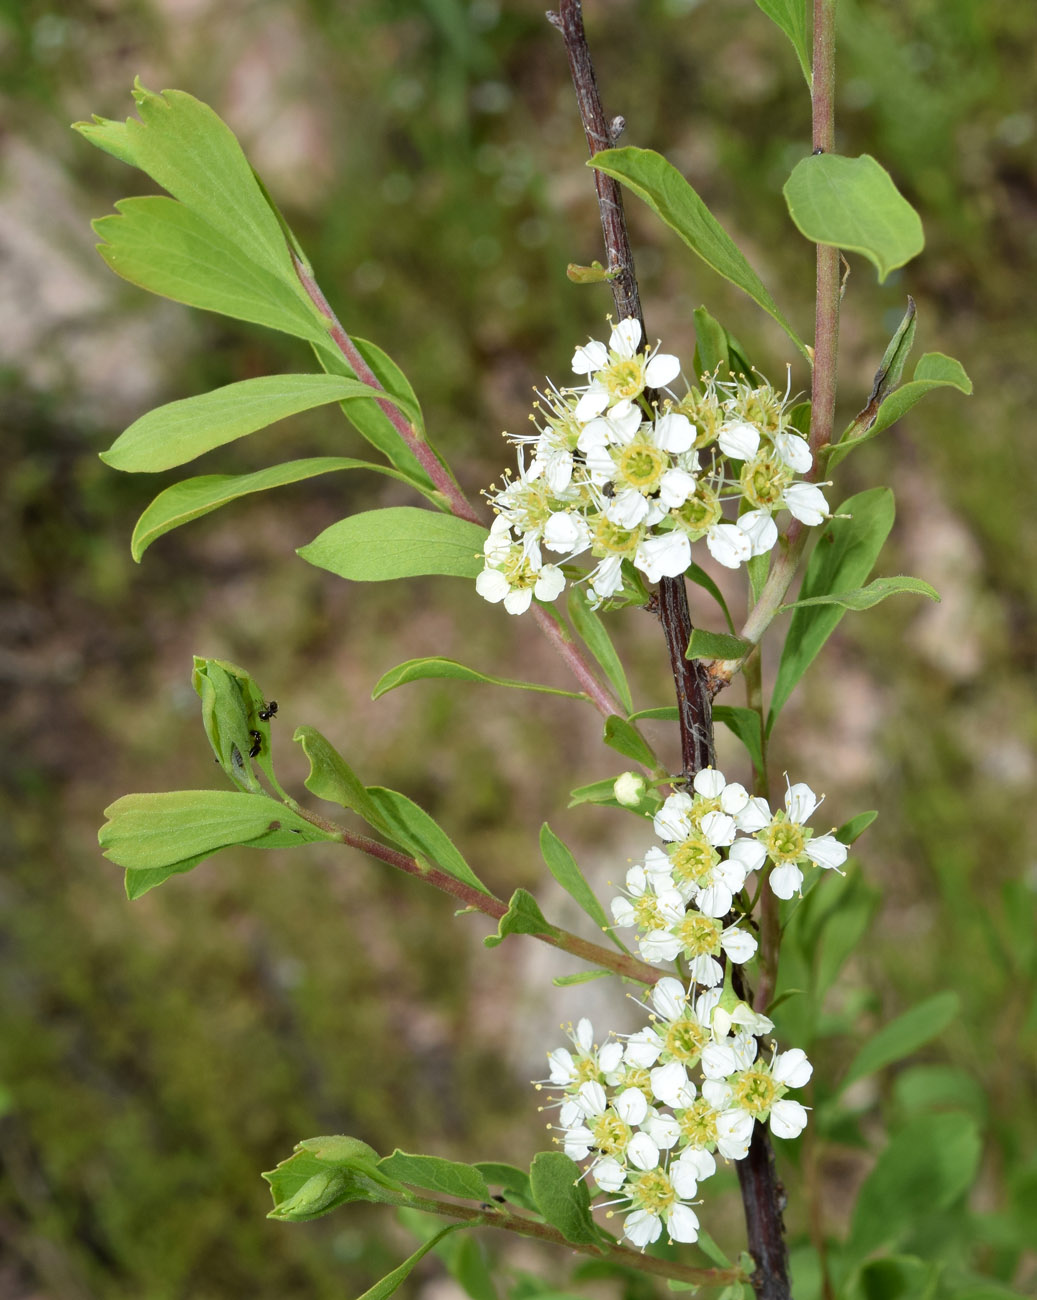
(428, 155)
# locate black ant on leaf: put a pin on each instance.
(268, 711)
(257, 744)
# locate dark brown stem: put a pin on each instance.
(764, 1199)
(826, 318)
(690, 679)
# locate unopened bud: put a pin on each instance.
(629, 789)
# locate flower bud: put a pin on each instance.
(629, 789)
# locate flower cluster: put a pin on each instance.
(633, 483)
(630, 1106)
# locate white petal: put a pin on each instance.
(806, 503)
(492, 585)
(739, 439)
(705, 971)
(626, 336)
(794, 451)
(665, 556)
(558, 470)
(627, 508)
(669, 1083)
(669, 997)
(592, 403)
(623, 912)
(592, 356)
(657, 867)
(642, 1228)
(681, 1224)
(749, 854)
(608, 577)
(826, 851)
(671, 821)
(701, 1162)
(609, 1174)
(664, 1130)
(631, 1106)
(739, 945)
(610, 1057)
(714, 900)
(642, 1152)
(643, 1048)
(761, 530)
(591, 1097)
(562, 1068)
(674, 432)
(578, 1143)
(584, 1034)
(550, 583)
(755, 815)
(709, 783)
(788, 1118)
(717, 1093)
(660, 945)
(792, 1068)
(731, 873)
(685, 1179)
(734, 1131)
(800, 802)
(786, 880)
(718, 1061)
(728, 545)
(718, 828)
(663, 369)
(517, 602)
(733, 798)
(566, 532)
(675, 486)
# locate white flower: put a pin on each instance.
(666, 556)
(739, 439)
(729, 545)
(734, 1132)
(514, 571)
(567, 533)
(786, 840)
(806, 503)
(619, 372)
(794, 451)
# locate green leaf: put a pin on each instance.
(416, 670)
(560, 1192)
(934, 370)
(894, 359)
(943, 1087)
(413, 829)
(604, 793)
(154, 836)
(184, 146)
(325, 1172)
(157, 244)
(368, 417)
(399, 542)
(852, 830)
(581, 977)
(702, 579)
(668, 194)
(664, 713)
(513, 1182)
(903, 1036)
(522, 917)
(444, 1177)
(390, 1284)
(896, 1277)
(865, 597)
(591, 630)
(180, 431)
(331, 778)
(842, 558)
(791, 17)
(852, 204)
(716, 645)
(194, 498)
(621, 736)
(746, 725)
(564, 868)
(929, 1163)
(854, 907)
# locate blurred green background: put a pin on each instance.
(155, 1057)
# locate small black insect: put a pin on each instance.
(257, 743)
(609, 491)
(268, 711)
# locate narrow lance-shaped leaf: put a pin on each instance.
(934, 370)
(392, 1282)
(852, 204)
(866, 597)
(415, 831)
(624, 737)
(174, 434)
(747, 726)
(154, 836)
(791, 17)
(193, 498)
(159, 245)
(668, 194)
(564, 868)
(591, 630)
(416, 670)
(902, 1036)
(716, 645)
(400, 542)
(842, 558)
